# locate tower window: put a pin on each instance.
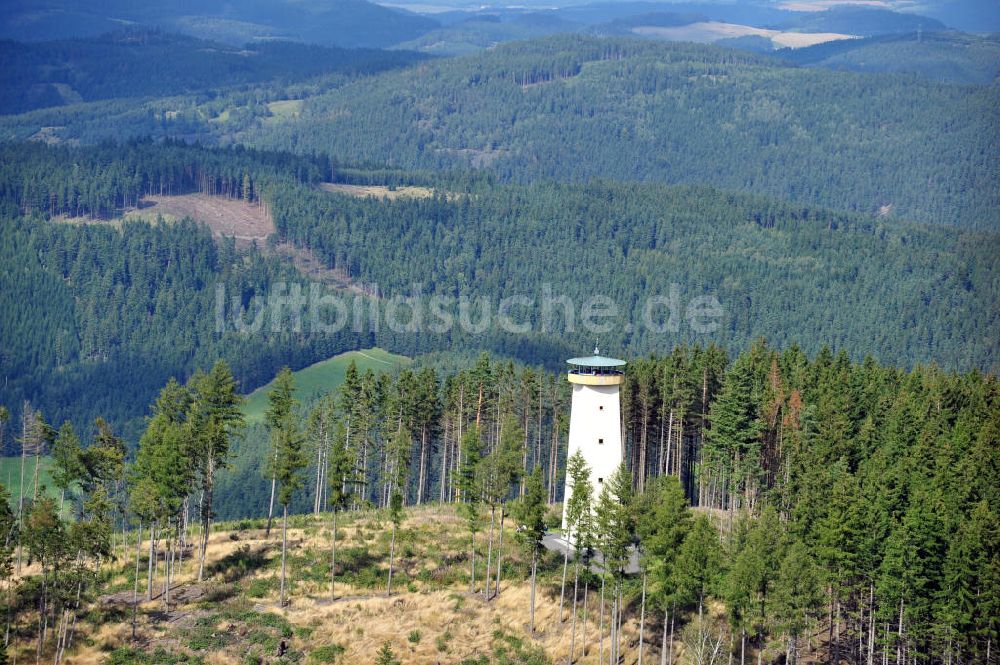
(600, 408)
(600, 480)
(600, 441)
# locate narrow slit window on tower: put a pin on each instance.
(600, 408)
(600, 441)
(600, 480)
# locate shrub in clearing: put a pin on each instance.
(326, 654)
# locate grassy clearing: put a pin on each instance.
(84, 220)
(10, 475)
(285, 109)
(378, 191)
(431, 617)
(324, 376)
(711, 31)
(225, 216)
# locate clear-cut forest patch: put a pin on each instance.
(378, 191)
(226, 217)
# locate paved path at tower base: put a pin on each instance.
(555, 542)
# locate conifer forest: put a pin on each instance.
(288, 292)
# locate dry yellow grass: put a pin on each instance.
(225, 216)
(425, 622)
(378, 191)
(710, 31)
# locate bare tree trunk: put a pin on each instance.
(333, 558)
(270, 507)
(423, 465)
(829, 623)
(640, 475)
(187, 518)
(663, 638)
(670, 443)
(534, 571)
(443, 477)
(489, 551)
(206, 513)
(152, 558)
(613, 643)
(168, 564)
(135, 587)
(319, 473)
(576, 586)
(899, 636)
(324, 482)
(562, 588)
(660, 459)
(553, 461)
(34, 475)
(583, 647)
(284, 547)
(76, 611)
(392, 552)
(538, 428)
(642, 616)
(679, 457)
(860, 656)
(61, 628)
(871, 623)
(621, 619)
(25, 416)
(458, 439)
(524, 451)
(6, 636)
(42, 612)
(472, 558)
(496, 589)
(704, 406)
(600, 629)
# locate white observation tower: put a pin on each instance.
(595, 419)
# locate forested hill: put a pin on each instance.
(141, 62)
(94, 308)
(345, 23)
(943, 56)
(573, 108)
(785, 272)
(845, 512)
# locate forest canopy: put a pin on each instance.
(90, 302)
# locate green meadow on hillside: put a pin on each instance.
(10, 475)
(324, 376)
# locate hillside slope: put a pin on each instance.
(96, 308)
(347, 23)
(574, 108)
(323, 377)
(791, 274)
(143, 63)
(233, 616)
(944, 56)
